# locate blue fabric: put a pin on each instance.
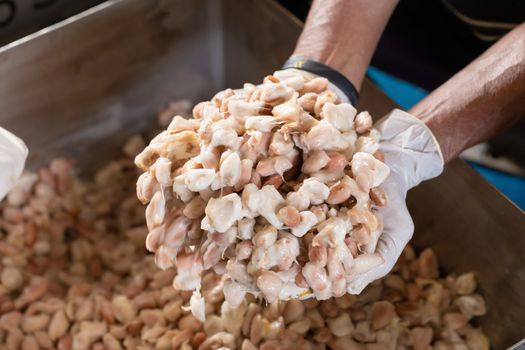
(406, 95)
(403, 93)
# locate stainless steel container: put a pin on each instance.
(82, 86)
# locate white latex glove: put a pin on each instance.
(413, 155)
(13, 154)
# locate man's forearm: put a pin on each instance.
(481, 100)
(343, 34)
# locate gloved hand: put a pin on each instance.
(413, 155)
(13, 154)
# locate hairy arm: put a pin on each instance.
(343, 34)
(481, 100)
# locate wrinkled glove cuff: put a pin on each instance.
(333, 76)
(410, 148)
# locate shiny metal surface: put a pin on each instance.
(82, 86)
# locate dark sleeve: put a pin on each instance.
(489, 19)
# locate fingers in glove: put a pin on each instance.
(13, 153)
(397, 231)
